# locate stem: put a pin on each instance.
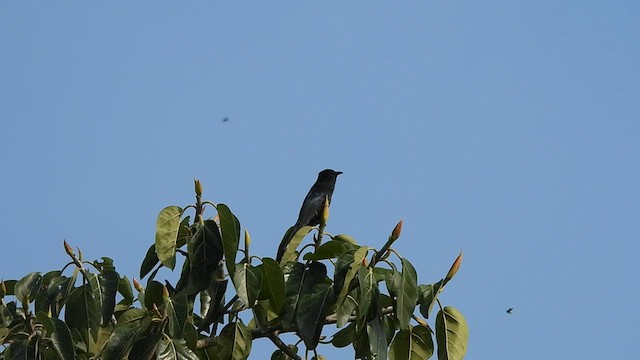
(273, 336)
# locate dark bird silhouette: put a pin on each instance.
(225, 119)
(509, 310)
(312, 206)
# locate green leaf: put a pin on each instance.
(205, 253)
(367, 288)
(293, 276)
(125, 289)
(27, 288)
(153, 295)
(354, 266)
(216, 293)
(82, 311)
(423, 333)
(311, 313)
(296, 239)
(60, 336)
(272, 283)
(345, 336)
(234, 342)
(109, 280)
(175, 349)
(346, 240)
(150, 260)
(329, 250)
(145, 347)
(121, 341)
(452, 334)
(167, 234)
(377, 338)
(407, 295)
(344, 312)
(230, 227)
(177, 311)
(406, 346)
(248, 282)
(427, 295)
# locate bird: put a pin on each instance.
(312, 206)
(509, 310)
(225, 119)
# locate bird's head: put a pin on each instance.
(329, 174)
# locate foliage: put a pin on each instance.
(87, 310)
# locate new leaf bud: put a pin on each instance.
(68, 248)
(198, 187)
(395, 234)
(454, 268)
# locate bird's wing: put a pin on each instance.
(310, 207)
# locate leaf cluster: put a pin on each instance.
(227, 298)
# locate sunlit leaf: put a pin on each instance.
(27, 287)
(407, 295)
(230, 227)
(167, 234)
(354, 266)
(452, 334)
(248, 282)
(296, 239)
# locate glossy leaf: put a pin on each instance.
(344, 312)
(354, 266)
(377, 338)
(406, 346)
(367, 291)
(293, 276)
(216, 293)
(345, 336)
(423, 333)
(230, 227)
(427, 295)
(174, 349)
(296, 239)
(60, 336)
(452, 334)
(311, 313)
(166, 235)
(125, 289)
(205, 250)
(234, 342)
(27, 287)
(407, 294)
(82, 312)
(272, 283)
(329, 250)
(149, 262)
(109, 280)
(120, 341)
(153, 295)
(248, 282)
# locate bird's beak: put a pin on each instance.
(338, 172)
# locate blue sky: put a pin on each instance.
(505, 129)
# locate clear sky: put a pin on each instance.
(506, 129)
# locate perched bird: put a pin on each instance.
(509, 310)
(312, 206)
